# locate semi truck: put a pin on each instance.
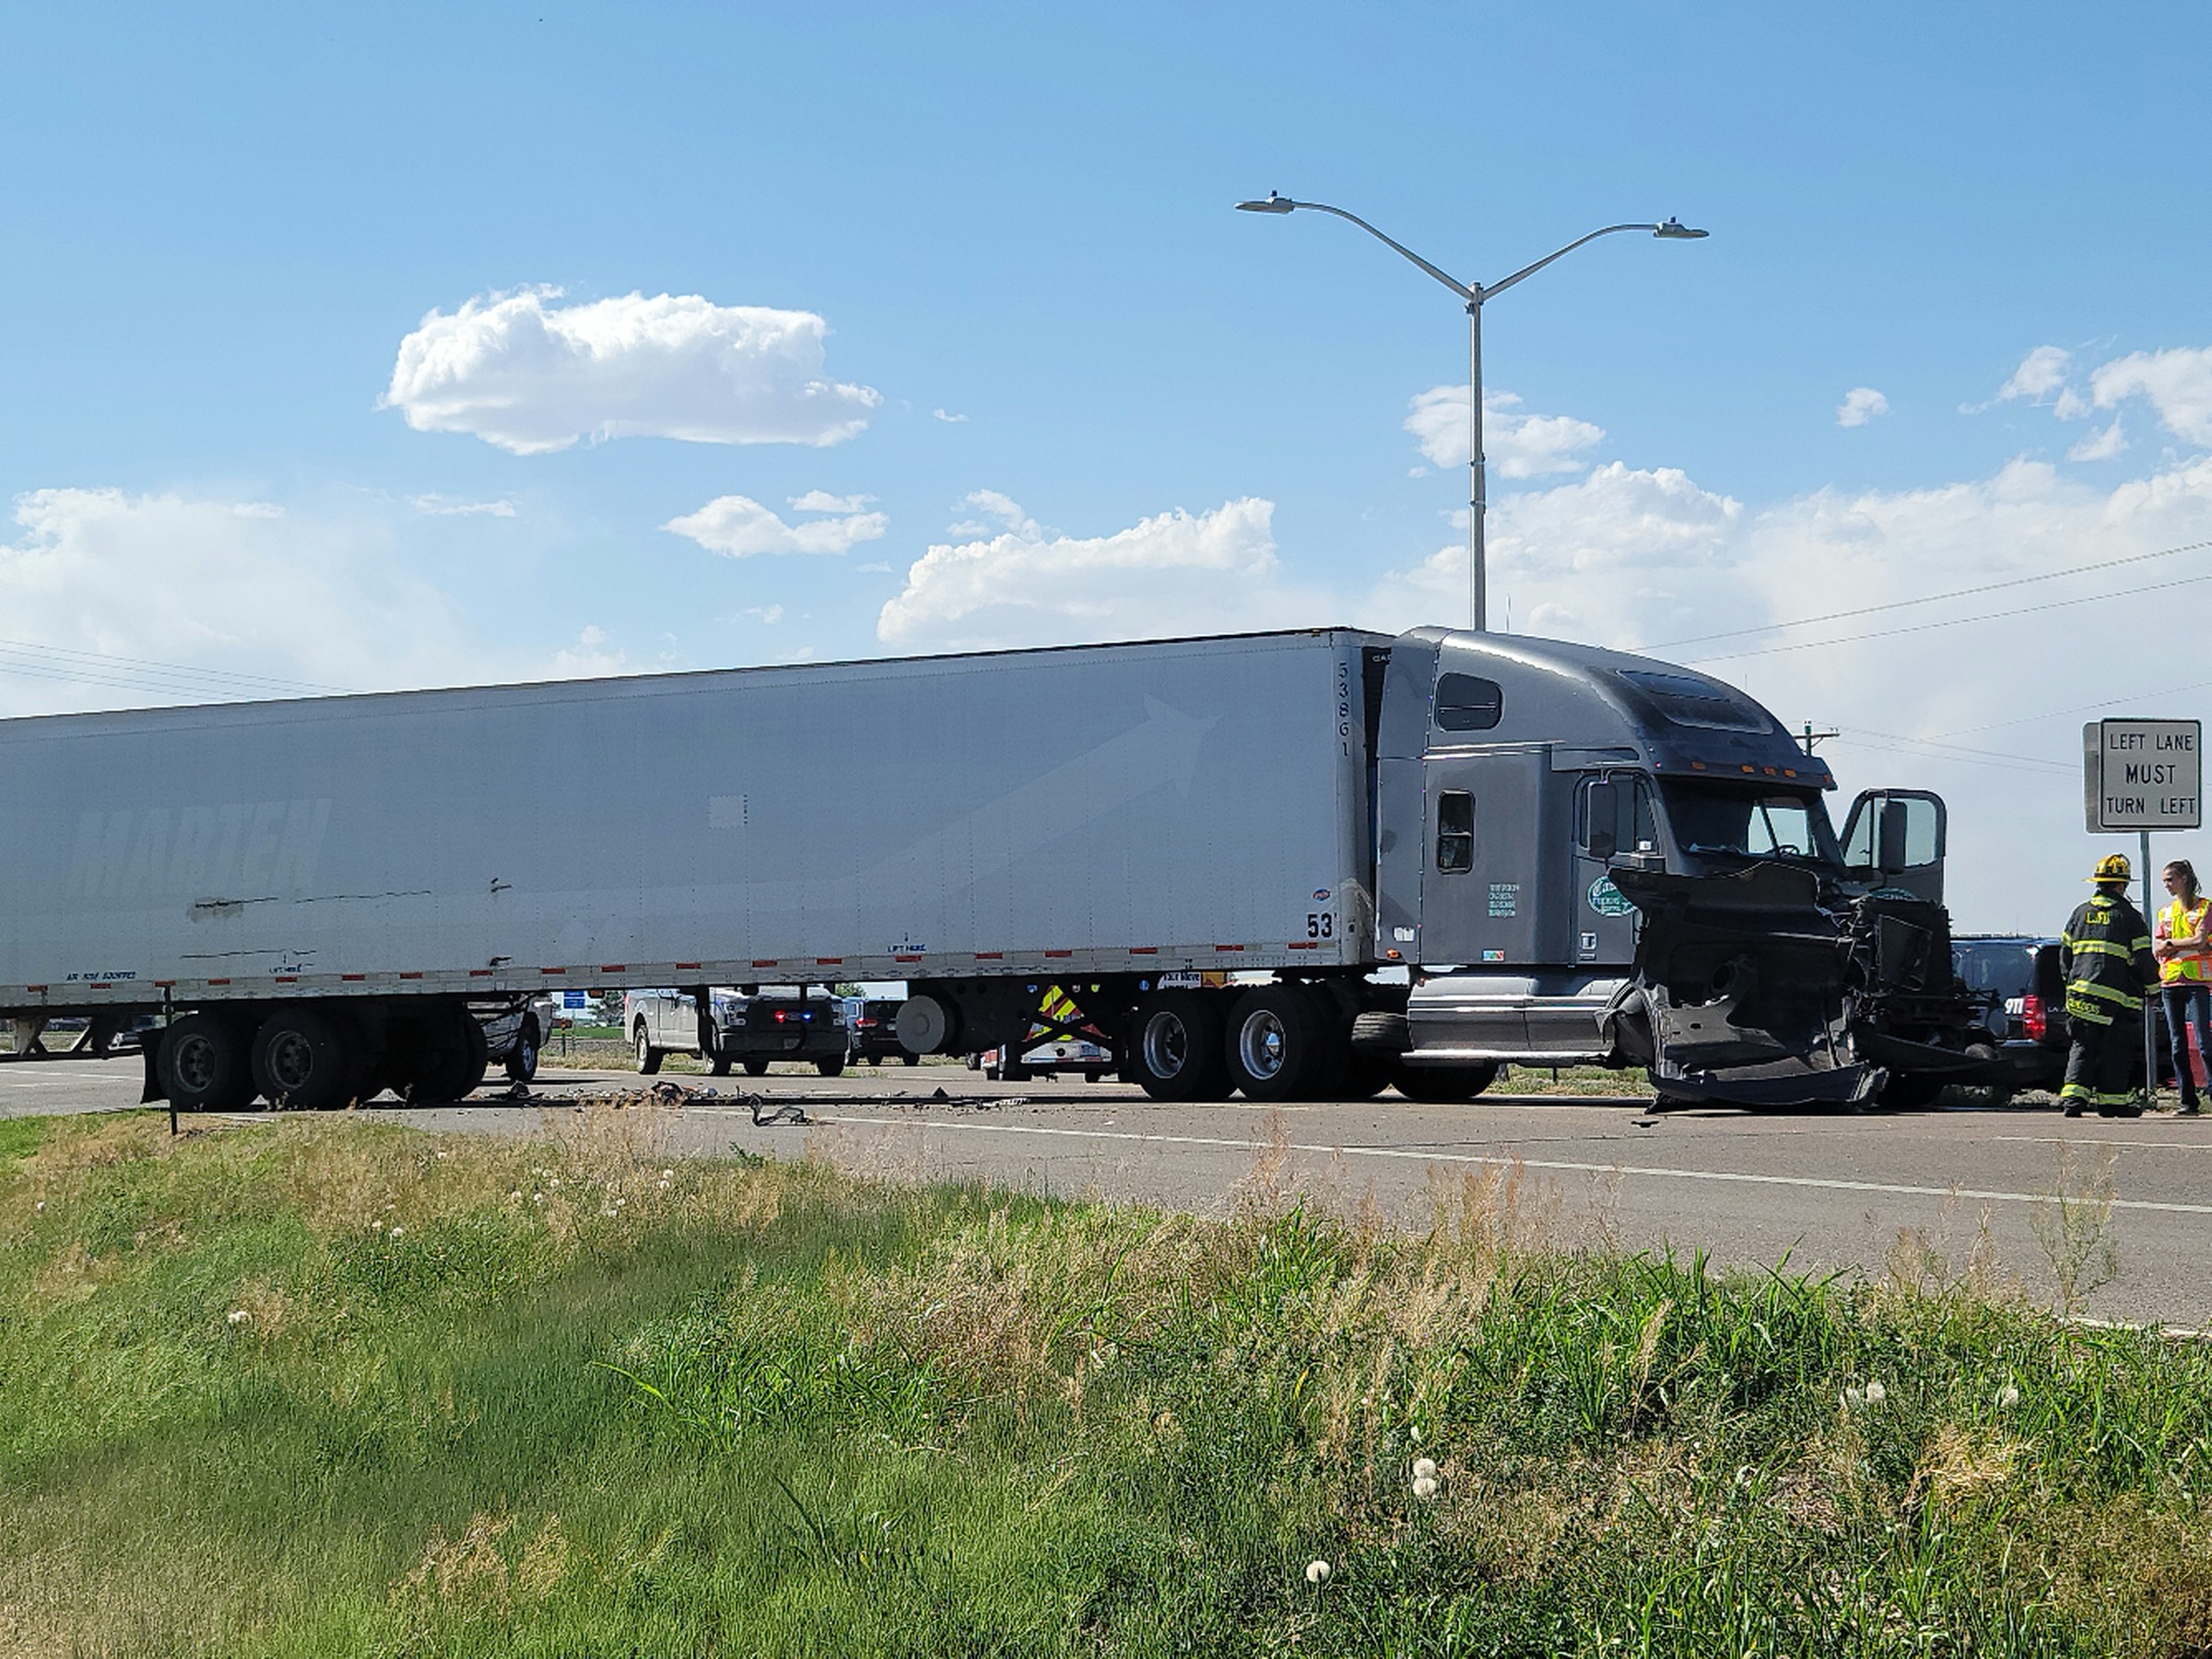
(1294, 864)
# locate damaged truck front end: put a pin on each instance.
(1618, 862)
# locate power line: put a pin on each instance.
(28, 660)
(1891, 633)
(1952, 751)
(1965, 593)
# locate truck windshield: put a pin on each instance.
(1716, 818)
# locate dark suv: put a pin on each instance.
(2028, 1022)
(872, 1030)
(757, 1030)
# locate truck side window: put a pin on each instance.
(1464, 703)
(1454, 831)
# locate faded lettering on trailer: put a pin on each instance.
(224, 855)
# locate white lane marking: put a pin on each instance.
(2083, 1140)
(67, 1082)
(1415, 1155)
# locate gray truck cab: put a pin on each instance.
(1620, 861)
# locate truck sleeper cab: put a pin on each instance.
(1622, 861)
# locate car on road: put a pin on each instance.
(744, 1026)
(872, 1032)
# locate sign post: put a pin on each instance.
(2143, 775)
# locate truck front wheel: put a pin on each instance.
(204, 1063)
(1174, 1050)
(300, 1060)
(522, 1059)
(648, 1057)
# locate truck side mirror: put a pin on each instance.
(1891, 831)
(1603, 805)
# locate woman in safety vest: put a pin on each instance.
(2182, 943)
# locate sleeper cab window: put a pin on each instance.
(1464, 703)
(1454, 831)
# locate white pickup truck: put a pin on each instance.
(743, 1027)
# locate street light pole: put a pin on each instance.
(1473, 295)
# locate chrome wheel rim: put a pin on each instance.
(1262, 1044)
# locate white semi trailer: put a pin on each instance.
(1403, 850)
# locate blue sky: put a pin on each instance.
(223, 225)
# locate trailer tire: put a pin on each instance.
(205, 1064)
(1444, 1085)
(830, 1069)
(299, 1059)
(756, 1068)
(648, 1057)
(1174, 1047)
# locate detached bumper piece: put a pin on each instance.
(1781, 1085)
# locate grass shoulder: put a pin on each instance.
(325, 1386)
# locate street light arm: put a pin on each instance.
(1457, 286)
(1526, 271)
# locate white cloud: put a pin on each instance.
(1177, 572)
(591, 658)
(2042, 373)
(2100, 445)
(740, 526)
(947, 417)
(874, 568)
(2178, 383)
(821, 501)
(1861, 404)
(531, 376)
(439, 506)
(1515, 445)
(126, 600)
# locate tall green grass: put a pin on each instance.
(332, 1388)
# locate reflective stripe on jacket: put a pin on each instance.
(2104, 956)
(2179, 922)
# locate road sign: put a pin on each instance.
(574, 999)
(2143, 775)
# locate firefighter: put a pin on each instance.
(2104, 957)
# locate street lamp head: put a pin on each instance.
(1675, 230)
(1273, 203)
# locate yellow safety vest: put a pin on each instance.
(2181, 922)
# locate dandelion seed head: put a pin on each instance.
(1424, 1468)
(41, 1203)
(2008, 1396)
(238, 1317)
(1424, 1487)
(667, 1175)
(1875, 1394)
(1317, 1572)
(398, 1232)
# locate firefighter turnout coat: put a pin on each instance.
(2105, 958)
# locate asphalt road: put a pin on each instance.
(1826, 1192)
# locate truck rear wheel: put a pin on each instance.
(720, 1066)
(204, 1065)
(648, 1057)
(1443, 1085)
(300, 1060)
(1174, 1049)
(1281, 1046)
(831, 1068)
(756, 1068)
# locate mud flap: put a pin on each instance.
(150, 1049)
